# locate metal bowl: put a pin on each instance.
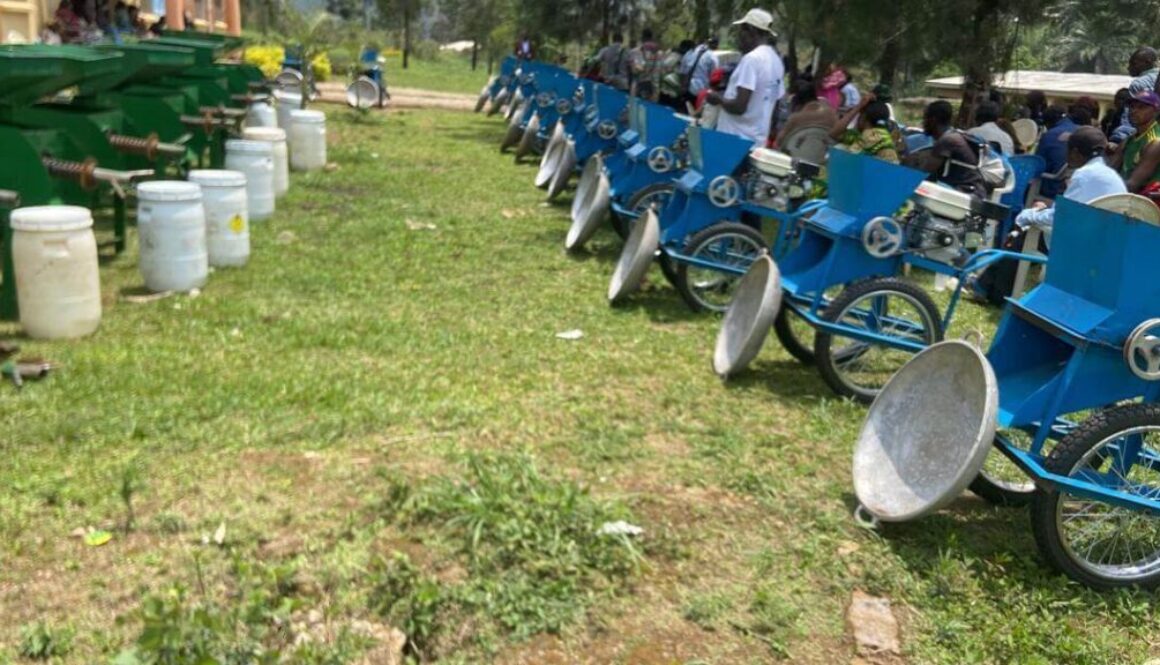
(927, 433)
(636, 257)
(749, 317)
(551, 158)
(588, 178)
(593, 211)
(564, 169)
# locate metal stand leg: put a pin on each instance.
(9, 309)
(1030, 246)
(119, 230)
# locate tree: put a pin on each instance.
(1099, 37)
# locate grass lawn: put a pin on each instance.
(447, 73)
(374, 424)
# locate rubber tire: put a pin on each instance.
(997, 495)
(699, 238)
(796, 348)
(1100, 426)
(623, 225)
(850, 294)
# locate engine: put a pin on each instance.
(776, 181)
(941, 239)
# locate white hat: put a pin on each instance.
(760, 19)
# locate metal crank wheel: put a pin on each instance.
(883, 237)
(1142, 350)
(724, 243)
(724, 191)
(1096, 543)
(660, 159)
(656, 196)
(888, 307)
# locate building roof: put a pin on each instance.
(1053, 84)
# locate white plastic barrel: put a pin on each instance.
(261, 114)
(307, 140)
(277, 138)
(287, 102)
(256, 160)
(58, 283)
(171, 229)
(227, 225)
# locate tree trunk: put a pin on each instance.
(605, 26)
(406, 35)
(474, 54)
(701, 18)
(978, 60)
(791, 55)
(888, 62)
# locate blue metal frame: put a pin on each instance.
(1059, 348)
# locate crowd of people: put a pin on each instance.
(1086, 155)
(92, 21)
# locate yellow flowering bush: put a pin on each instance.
(269, 59)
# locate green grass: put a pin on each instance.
(446, 73)
(374, 422)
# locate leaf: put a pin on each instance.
(97, 538)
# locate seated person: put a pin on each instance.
(987, 117)
(1092, 179)
(807, 110)
(1139, 160)
(952, 160)
(871, 135)
(1053, 144)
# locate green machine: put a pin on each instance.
(155, 101)
(50, 163)
(221, 83)
(9, 200)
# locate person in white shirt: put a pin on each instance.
(756, 84)
(987, 115)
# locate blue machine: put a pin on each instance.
(1075, 368)
(296, 71)
(640, 174)
(701, 229)
(369, 87)
(839, 277)
(500, 88)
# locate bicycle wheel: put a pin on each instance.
(725, 243)
(887, 306)
(1095, 543)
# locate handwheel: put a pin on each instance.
(725, 243)
(1092, 542)
(888, 307)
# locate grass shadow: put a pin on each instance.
(787, 379)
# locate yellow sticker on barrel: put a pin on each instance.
(237, 224)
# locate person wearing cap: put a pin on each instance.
(1142, 68)
(756, 84)
(1139, 160)
(1092, 178)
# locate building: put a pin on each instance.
(23, 20)
(1057, 86)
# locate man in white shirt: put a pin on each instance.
(987, 115)
(756, 84)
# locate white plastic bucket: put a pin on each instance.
(58, 283)
(227, 225)
(307, 140)
(171, 228)
(287, 102)
(261, 114)
(256, 160)
(277, 138)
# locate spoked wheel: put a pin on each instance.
(1096, 543)
(887, 306)
(1002, 483)
(725, 243)
(657, 193)
(796, 335)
